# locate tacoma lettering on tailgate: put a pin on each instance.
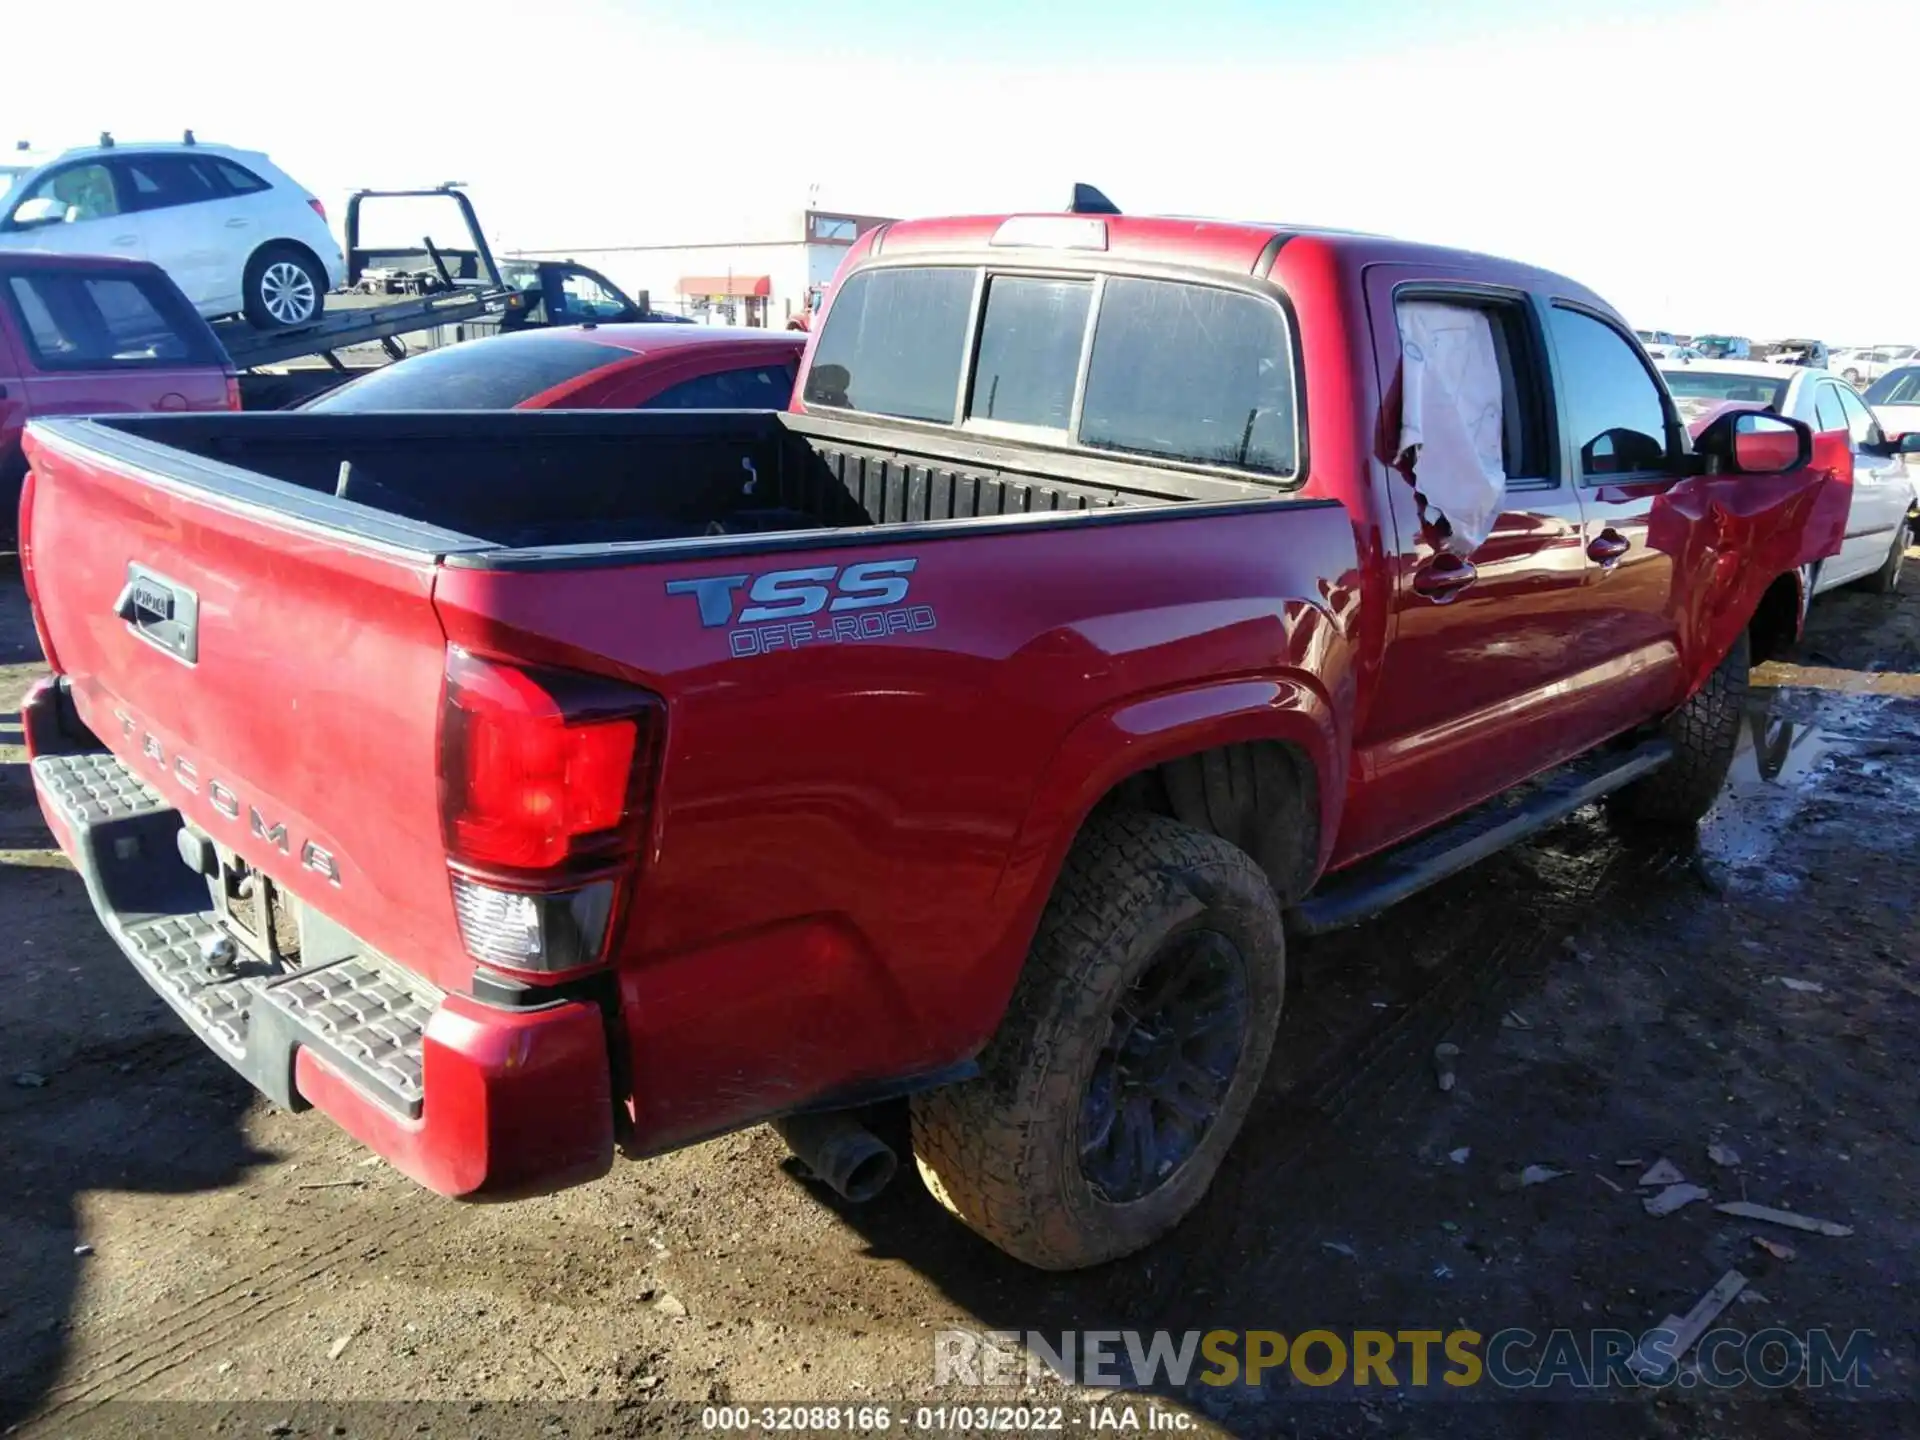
(864, 601)
(189, 776)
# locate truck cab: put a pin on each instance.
(561, 292)
(93, 335)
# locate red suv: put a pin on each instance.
(87, 335)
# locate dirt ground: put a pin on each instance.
(176, 1255)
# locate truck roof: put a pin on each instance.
(34, 158)
(1230, 246)
(31, 260)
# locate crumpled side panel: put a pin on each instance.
(1732, 536)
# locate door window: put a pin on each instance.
(155, 182)
(1615, 414)
(1862, 428)
(77, 193)
(582, 294)
(1827, 413)
(76, 321)
(757, 387)
(1899, 387)
(1525, 436)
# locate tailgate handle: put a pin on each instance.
(162, 612)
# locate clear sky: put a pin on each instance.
(1732, 165)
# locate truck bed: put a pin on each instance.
(550, 486)
(850, 782)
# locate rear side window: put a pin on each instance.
(77, 321)
(239, 179)
(1827, 414)
(759, 387)
(497, 373)
(894, 344)
(1187, 372)
(153, 182)
(1861, 425)
(1031, 335)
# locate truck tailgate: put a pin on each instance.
(279, 685)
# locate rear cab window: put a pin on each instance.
(93, 320)
(1128, 366)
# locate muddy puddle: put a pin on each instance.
(1808, 747)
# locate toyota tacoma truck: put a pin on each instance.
(1113, 602)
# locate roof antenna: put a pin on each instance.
(1089, 201)
(106, 140)
(22, 145)
(188, 139)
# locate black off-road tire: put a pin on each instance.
(1705, 733)
(1886, 580)
(1002, 1152)
(270, 273)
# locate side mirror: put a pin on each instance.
(1750, 442)
(40, 210)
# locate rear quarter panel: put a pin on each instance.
(853, 838)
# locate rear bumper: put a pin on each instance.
(465, 1098)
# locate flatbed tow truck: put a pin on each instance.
(446, 293)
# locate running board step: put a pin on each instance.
(1358, 894)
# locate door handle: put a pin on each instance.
(238, 222)
(126, 239)
(1609, 547)
(1443, 577)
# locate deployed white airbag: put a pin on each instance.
(1451, 420)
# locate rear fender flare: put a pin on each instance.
(1124, 739)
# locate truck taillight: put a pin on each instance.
(545, 782)
(233, 392)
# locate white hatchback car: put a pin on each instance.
(234, 232)
(1876, 540)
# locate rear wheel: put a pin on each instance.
(284, 286)
(1886, 580)
(1851, 376)
(1130, 1053)
(1705, 733)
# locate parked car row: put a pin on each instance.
(1884, 495)
(1868, 364)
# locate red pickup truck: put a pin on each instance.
(90, 335)
(522, 788)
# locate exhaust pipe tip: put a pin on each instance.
(841, 1153)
